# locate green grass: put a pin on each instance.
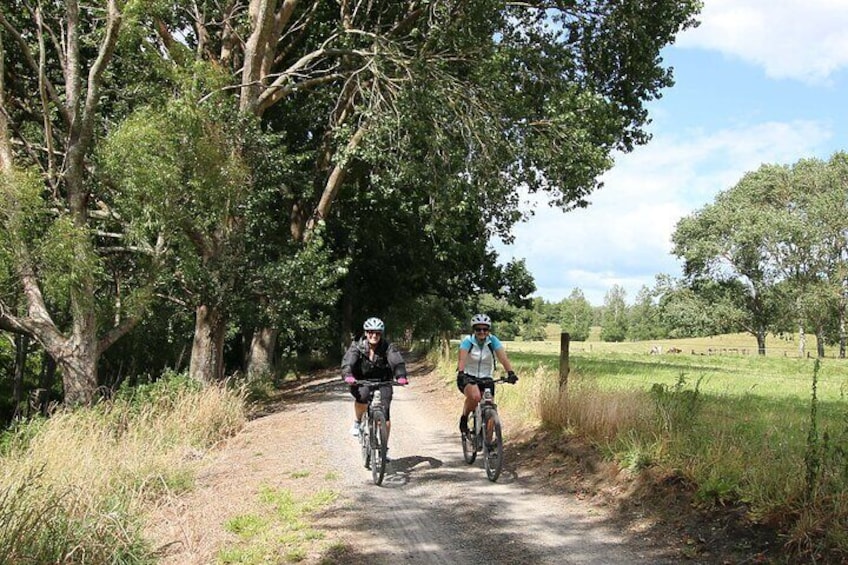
(277, 532)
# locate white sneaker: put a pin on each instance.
(354, 430)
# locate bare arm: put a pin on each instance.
(501, 355)
(463, 355)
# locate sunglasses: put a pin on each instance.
(373, 332)
(483, 329)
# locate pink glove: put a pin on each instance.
(402, 381)
(350, 379)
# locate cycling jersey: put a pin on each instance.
(481, 361)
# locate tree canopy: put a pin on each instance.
(234, 159)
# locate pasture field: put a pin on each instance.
(742, 428)
(630, 365)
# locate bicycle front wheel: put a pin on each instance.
(469, 443)
(379, 433)
(493, 450)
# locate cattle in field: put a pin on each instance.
(675, 350)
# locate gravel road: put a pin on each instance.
(432, 508)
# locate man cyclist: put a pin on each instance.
(372, 358)
(476, 366)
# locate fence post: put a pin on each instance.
(564, 338)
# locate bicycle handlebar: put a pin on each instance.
(381, 383)
(498, 380)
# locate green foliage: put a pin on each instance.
(643, 317)
(677, 407)
(162, 392)
(576, 316)
(614, 323)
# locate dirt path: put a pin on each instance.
(432, 508)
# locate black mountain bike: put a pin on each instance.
(373, 432)
(485, 433)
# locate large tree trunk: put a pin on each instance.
(260, 360)
(78, 364)
(820, 342)
(207, 351)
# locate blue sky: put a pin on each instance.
(760, 81)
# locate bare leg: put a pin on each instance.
(359, 410)
(472, 398)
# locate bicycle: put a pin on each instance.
(485, 417)
(373, 431)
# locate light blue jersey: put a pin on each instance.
(481, 355)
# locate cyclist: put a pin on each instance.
(373, 358)
(476, 366)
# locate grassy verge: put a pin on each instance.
(744, 429)
(276, 531)
(73, 488)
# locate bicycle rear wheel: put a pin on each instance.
(493, 451)
(469, 443)
(364, 441)
(379, 438)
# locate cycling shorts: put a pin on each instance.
(363, 394)
(463, 380)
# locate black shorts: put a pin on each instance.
(463, 380)
(363, 393)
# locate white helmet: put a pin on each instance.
(481, 320)
(374, 324)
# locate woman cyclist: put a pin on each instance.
(476, 367)
(375, 359)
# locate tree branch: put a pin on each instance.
(334, 183)
(30, 61)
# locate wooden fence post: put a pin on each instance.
(564, 338)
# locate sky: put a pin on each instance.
(759, 81)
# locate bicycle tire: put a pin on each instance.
(493, 452)
(364, 441)
(469, 440)
(378, 446)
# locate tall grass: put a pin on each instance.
(73, 487)
(737, 427)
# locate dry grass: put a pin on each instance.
(92, 471)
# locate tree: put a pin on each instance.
(614, 324)
(71, 290)
(699, 308)
(729, 241)
(490, 94)
(576, 315)
(497, 95)
(780, 232)
(643, 323)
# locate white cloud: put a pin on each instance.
(624, 236)
(806, 40)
